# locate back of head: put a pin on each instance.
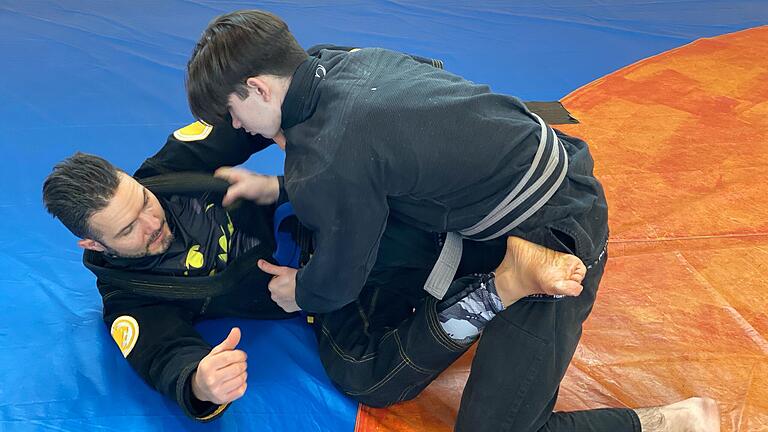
(234, 47)
(78, 187)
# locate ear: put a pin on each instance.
(91, 245)
(259, 86)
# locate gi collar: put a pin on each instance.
(301, 98)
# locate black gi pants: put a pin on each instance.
(388, 346)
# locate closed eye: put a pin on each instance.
(128, 229)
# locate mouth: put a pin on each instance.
(157, 236)
(157, 240)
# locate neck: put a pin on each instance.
(280, 87)
(279, 139)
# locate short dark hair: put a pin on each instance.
(234, 47)
(78, 187)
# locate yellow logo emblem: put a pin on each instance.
(125, 331)
(223, 244)
(195, 259)
(230, 226)
(193, 132)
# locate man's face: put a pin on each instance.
(260, 113)
(133, 224)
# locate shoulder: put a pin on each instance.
(196, 131)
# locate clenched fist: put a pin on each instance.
(261, 189)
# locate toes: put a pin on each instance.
(568, 287)
(578, 272)
(573, 269)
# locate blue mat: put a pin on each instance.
(106, 77)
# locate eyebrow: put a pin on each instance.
(125, 230)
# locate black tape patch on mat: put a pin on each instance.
(553, 113)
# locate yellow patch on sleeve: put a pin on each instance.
(193, 132)
(125, 331)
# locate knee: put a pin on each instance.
(383, 398)
(367, 392)
(376, 394)
(375, 401)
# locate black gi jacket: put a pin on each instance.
(168, 348)
(373, 131)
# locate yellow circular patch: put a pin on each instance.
(193, 132)
(125, 331)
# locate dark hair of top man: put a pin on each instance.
(78, 187)
(234, 47)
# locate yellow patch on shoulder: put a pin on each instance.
(193, 132)
(125, 331)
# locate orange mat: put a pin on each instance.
(680, 143)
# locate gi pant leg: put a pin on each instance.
(521, 358)
(388, 345)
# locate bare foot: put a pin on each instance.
(528, 269)
(690, 415)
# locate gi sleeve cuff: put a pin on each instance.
(283, 194)
(203, 411)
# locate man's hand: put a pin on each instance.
(261, 189)
(221, 375)
(282, 286)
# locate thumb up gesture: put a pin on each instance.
(221, 375)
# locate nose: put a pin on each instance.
(150, 222)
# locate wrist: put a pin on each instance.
(197, 392)
(273, 191)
